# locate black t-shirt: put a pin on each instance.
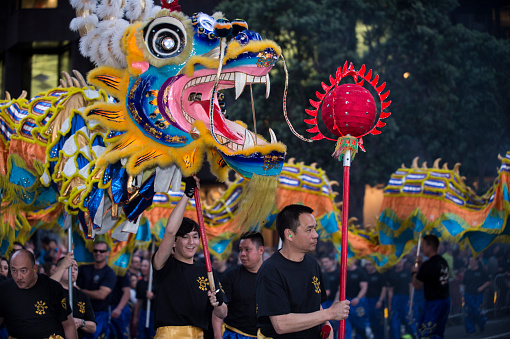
(473, 279)
(117, 292)
(376, 281)
(354, 278)
(284, 287)
(434, 273)
(82, 308)
(91, 279)
(239, 286)
(141, 293)
(33, 313)
(400, 281)
(182, 295)
(332, 282)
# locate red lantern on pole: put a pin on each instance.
(349, 112)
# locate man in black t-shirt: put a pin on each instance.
(376, 294)
(32, 305)
(399, 287)
(355, 291)
(476, 280)
(83, 314)
(238, 283)
(331, 276)
(121, 313)
(434, 276)
(97, 281)
(184, 302)
(289, 284)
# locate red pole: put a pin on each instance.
(203, 238)
(345, 221)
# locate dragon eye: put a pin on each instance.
(165, 37)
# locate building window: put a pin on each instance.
(47, 67)
(26, 4)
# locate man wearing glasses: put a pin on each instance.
(97, 281)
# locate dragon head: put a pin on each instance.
(163, 78)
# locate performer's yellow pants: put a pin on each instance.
(187, 332)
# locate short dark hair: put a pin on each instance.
(59, 261)
(18, 243)
(432, 241)
(256, 238)
(289, 218)
(187, 225)
(98, 242)
(48, 240)
(330, 256)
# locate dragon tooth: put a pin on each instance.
(248, 140)
(250, 79)
(273, 136)
(268, 85)
(240, 82)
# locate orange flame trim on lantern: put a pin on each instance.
(359, 79)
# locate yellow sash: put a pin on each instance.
(188, 332)
(261, 336)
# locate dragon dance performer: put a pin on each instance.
(97, 281)
(376, 294)
(121, 312)
(399, 287)
(184, 303)
(355, 291)
(83, 314)
(433, 275)
(289, 284)
(475, 281)
(32, 305)
(238, 283)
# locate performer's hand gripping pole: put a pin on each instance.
(345, 221)
(410, 313)
(203, 238)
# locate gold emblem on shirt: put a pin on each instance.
(63, 302)
(317, 284)
(203, 283)
(40, 307)
(81, 306)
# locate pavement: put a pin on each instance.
(495, 329)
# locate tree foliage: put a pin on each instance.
(454, 104)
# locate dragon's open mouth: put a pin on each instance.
(192, 97)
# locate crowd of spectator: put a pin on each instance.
(370, 292)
